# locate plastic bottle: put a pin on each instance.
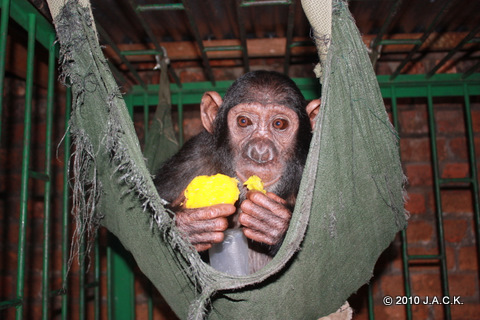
(231, 256)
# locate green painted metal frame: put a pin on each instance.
(40, 31)
(406, 86)
(445, 86)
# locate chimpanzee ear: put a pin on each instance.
(211, 102)
(312, 110)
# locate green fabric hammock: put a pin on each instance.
(349, 208)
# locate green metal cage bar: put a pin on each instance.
(120, 281)
(66, 207)
(48, 184)
(251, 3)
(403, 233)
(22, 234)
(438, 201)
(443, 85)
(19, 11)
(3, 52)
(160, 7)
(473, 164)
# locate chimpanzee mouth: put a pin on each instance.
(268, 177)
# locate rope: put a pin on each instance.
(321, 23)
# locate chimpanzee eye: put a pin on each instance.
(280, 124)
(243, 121)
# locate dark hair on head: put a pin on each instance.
(266, 87)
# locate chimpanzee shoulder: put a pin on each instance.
(196, 157)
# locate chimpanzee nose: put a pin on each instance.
(261, 152)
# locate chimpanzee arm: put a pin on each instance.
(202, 226)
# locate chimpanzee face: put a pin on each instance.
(262, 139)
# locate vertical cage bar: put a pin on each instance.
(288, 45)
(146, 114)
(473, 165)
(438, 201)
(121, 281)
(66, 205)
(96, 290)
(22, 232)
(180, 118)
(110, 300)
(243, 35)
(150, 301)
(48, 183)
(371, 310)
(129, 103)
(403, 233)
(3, 50)
(406, 273)
(81, 274)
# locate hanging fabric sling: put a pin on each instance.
(161, 142)
(349, 208)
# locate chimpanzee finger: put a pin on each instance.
(206, 213)
(202, 246)
(262, 217)
(206, 238)
(260, 237)
(276, 198)
(192, 227)
(272, 202)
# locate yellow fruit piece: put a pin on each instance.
(255, 183)
(205, 191)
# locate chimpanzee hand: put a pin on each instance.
(204, 226)
(265, 217)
